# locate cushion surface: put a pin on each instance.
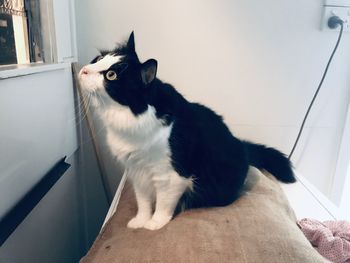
(258, 227)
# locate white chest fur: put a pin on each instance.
(139, 150)
(137, 141)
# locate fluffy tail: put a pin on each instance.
(270, 159)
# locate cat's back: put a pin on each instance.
(208, 124)
(196, 130)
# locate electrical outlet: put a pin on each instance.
(343, 12)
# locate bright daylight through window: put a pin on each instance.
(21, 40)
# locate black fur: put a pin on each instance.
(202, 146)
(270, 159)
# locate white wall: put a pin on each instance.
(256, 62)
(63, 226)
(53, 231)
(37, 129)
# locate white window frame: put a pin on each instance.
(340, 193)
(337, 203)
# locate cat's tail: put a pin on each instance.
(270, 159)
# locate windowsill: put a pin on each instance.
(14, 71)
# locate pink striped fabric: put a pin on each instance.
(330, 238)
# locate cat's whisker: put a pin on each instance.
(94, 134)
(78, 104)
(79, 108)
(81, 100)
(85, 109)
(102, 100)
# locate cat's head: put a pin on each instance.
(120, 75)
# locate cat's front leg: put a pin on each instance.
(169, 188)
(144, 198)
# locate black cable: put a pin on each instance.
(340, 22)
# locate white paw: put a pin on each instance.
(156, 223)
(137, 222)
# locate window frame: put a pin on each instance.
(341, 180)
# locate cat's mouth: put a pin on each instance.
(90, 81)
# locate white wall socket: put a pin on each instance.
(341, 11)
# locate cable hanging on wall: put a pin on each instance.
(333, 23)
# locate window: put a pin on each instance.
(36, 36)
(21, 34)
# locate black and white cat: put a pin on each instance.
(177, 154)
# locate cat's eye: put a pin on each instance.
(111, 75)
(99, 58)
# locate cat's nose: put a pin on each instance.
(84, 71)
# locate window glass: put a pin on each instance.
(20, 32)
(7, 40)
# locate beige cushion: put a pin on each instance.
(259, 227)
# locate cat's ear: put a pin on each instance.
(131, 42)
(149, 71)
